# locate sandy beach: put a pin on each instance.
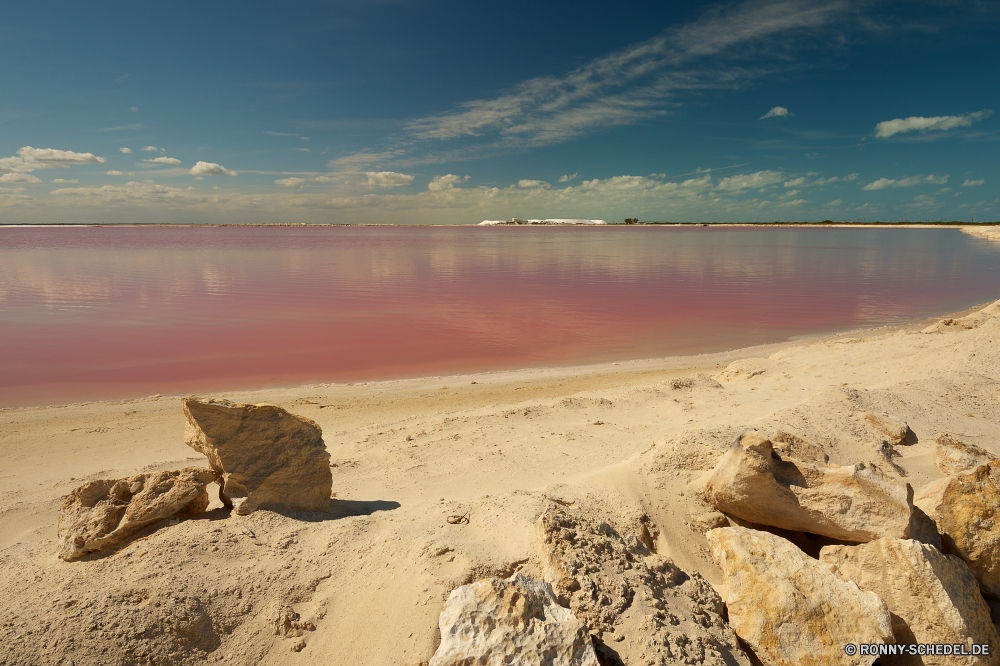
(620, 441)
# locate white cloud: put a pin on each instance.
(152, 149)
(568, 178)
(164, 160)
(533, 184)
(776, 112)
(836, 202)
(131, 191)
(133, 109)
(885, 183)
(210, 169)
(795, 182)
(127, 151)
(28, 159)
(327, 179)
(62, 180)
(889, 128)
(751, 180)
(114, 173)
(294, 183)
(388, 179)
(446, 182)
(972, 183)
(19, 178)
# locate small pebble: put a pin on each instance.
(136, 487)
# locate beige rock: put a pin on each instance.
(897, 431)
(952, 456)
(620, 589)
(933, 598)
(967, 510)
(274, 459)
(744, 370)
(104, 513)
(852, 503)
(790, 608)
(497, 622)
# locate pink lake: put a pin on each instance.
(116, 312)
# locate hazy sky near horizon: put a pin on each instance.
(411, 111)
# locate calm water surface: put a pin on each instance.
(95, 313)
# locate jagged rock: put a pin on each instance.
(933, 598)
(897, 431)
(103, 513)
(852, 503)
(952, 456)
(619, 588)
(967, 510)
(790, 608)
(274, 459)
(497, 622)
(288, 624)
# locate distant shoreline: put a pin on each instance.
(824, 224)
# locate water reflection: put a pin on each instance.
(87, 313)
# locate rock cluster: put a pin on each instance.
(914, 578)
(495, 622)
(274, 459)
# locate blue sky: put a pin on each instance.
(402, 111)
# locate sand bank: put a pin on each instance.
(618, 440)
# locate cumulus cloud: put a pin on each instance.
(63, 180)
(210, 169)
(973, 183)
(131, 191)
(750, 180)
(28, 159)
(114, 173)
(446, 182)
(886, 183)
(836, 202)
(19, 178)
(388, 179)
(164, 160)
(566, 179)
(525, 184)
(776, 112)
(795, 182)
(127, 151)
(293, 183)
(889, 128)
(152, 149)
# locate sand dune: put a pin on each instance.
(365, 583)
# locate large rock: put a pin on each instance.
(497, 622)
(933, 598)
(790, 608)
(967, 510)
(106, 512)
(274, 459)
(852, 503)
(897, 431)
(953, 456)
(620, 589)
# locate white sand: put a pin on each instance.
(372, 576)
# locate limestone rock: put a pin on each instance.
(897, 431)
(967, 510)
(852, 503)
(790, 608)
(103, 513)
(952, 456)
(497, 622)
(744, 370)
(274, 459)
(933, 598)
(620, 589)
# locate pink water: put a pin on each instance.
(101, 313)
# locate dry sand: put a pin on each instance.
(618, 440)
